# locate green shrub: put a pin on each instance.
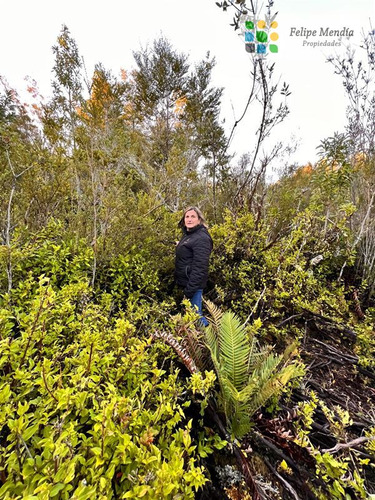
(85, 409)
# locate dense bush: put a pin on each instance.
(87, 409)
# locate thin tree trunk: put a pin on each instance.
(7, 237)
(95, 215)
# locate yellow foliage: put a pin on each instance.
(100, 100)
(360, 160)
(331, 166)
(62, 42)
(129, 108)
(124, 74)
(81, 113)
(180, 104)
(307, 169)
(304, 171)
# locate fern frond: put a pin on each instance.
(267, 368)
(229, 390)
(178, 348)
(275, 385)
(215, 314)
(234, 349)
(211, 340)
(258, 356)
(265, 392)
(290, 351)
(252, 353)
(194, 345)
(290, 371)
(241, 423)
(248, 376)
(237, 406)
(248, 391)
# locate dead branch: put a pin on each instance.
(288, 319)
(351, 444)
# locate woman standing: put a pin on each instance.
(192, 257)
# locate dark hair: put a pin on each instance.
(198, 212)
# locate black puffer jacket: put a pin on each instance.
(192, 256)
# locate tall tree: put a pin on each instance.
(67, 85)
(60, 114)
(178, 109)
(159, 80)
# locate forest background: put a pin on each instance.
(93, 401)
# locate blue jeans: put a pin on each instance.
(196, 302)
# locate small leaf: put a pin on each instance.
(30, 431)
(56, 489)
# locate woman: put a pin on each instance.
(192, 256)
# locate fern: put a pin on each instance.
(179, 349)
(212, 341)
(215, 314)
(248, 376)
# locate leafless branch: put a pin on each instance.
(350, 444)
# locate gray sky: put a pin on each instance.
(109, 31)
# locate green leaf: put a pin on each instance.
(56, 489)
(30, 431)
(5, 393)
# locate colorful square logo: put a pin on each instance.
(260, 35)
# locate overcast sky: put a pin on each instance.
(108, 32)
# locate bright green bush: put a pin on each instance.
(85, 409)
(49, 253)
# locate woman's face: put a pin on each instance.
(191, 219)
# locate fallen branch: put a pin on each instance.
(351, 444)
(328, 322)
(302, 476)
(288, 319)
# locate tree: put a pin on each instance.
(264, 92)
(102, 158)
(357, 74)
(202, 114)
(60, 114)
(17, 134)
(177, 109)
(159, 81)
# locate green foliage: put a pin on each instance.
(338, 477)
(365, 344)
(48, 253)
(256, 275)
(93, 183)
(341, 474)
(237, 263)
(248, 376)
(132, 273)
(84, 408)
(60, 117)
